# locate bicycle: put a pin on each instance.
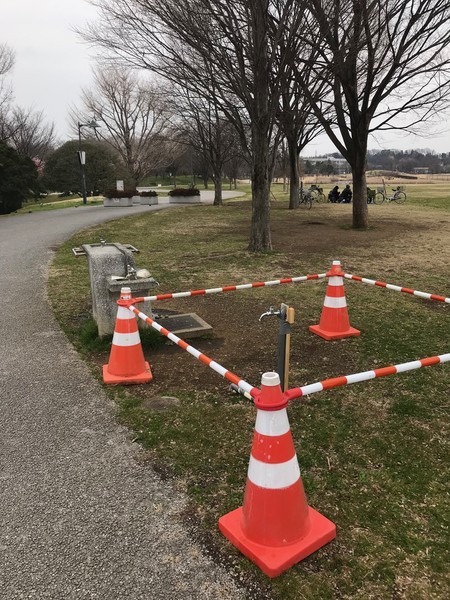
(317, 194)
(398, 196)
(305, 198)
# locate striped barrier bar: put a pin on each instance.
(230, 288)
(397, 288)
(231, 377)
(328, 384)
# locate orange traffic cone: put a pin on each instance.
(275, 527)
(334, 323)
(126, 361)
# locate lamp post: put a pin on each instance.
(82, 155)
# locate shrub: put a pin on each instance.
(184, 192)
(149, 194)
(120, 193)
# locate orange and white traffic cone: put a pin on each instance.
(334, 323)
(275, 527)
(126, 360)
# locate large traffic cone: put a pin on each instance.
(126, 360)
(275, 527)
(334, 323)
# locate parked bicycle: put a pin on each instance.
(305, 198)
(317, 194)
(398, 195)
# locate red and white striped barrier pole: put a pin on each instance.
(328, 384)
(397, 288)
(230, 288)
(231, 377)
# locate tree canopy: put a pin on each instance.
(102, 168)
(18, 177)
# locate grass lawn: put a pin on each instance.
(373, 456)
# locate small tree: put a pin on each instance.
(62, 169)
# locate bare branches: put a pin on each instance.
(6, 59)
(134, 119)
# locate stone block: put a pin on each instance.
(106, 263)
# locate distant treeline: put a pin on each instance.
(409, 161)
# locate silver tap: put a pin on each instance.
(270, 313)
(131, 272)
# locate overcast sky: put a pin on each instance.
(52, 64)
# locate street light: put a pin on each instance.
(82, 155)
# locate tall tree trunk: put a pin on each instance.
(260, 239)
(293, 174)
(218, 189)
(260, 127)
(360, 209)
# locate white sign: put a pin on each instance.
(119, 185)
(82, 157)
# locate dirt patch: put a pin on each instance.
(247, 347)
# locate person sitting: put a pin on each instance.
(346, 196)
(333, 195)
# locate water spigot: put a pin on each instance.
(270, 313)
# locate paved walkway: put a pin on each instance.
(79, 516)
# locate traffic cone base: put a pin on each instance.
(143, 377)
(273, 560)
(330, 335)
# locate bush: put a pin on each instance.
(120, 193)
(18, 178)
(184, 192)
(149, 194)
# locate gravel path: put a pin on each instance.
(79, 516)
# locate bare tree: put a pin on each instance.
(29, 134)
(385, 65)
(134, 119)
(201, 121)
(240, 43)
(6, 59)
(6, 64)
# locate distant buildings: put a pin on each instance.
(340, 165)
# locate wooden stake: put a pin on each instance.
(290, 316)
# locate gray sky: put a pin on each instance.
(52, 64)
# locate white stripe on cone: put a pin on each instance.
(124, 314)
(335, 281)
(272, 423)
(331, 302)
(126, 339)
(273, 476)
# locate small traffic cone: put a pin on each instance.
(126, 360)
(275, 527)
(334, 323)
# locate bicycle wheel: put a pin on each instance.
(314, 195)
(305, 202)
(400, 197)
(379, 198)
(321, 198)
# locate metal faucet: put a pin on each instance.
(131, 272)
(270, 313)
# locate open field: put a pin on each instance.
(374, 456)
